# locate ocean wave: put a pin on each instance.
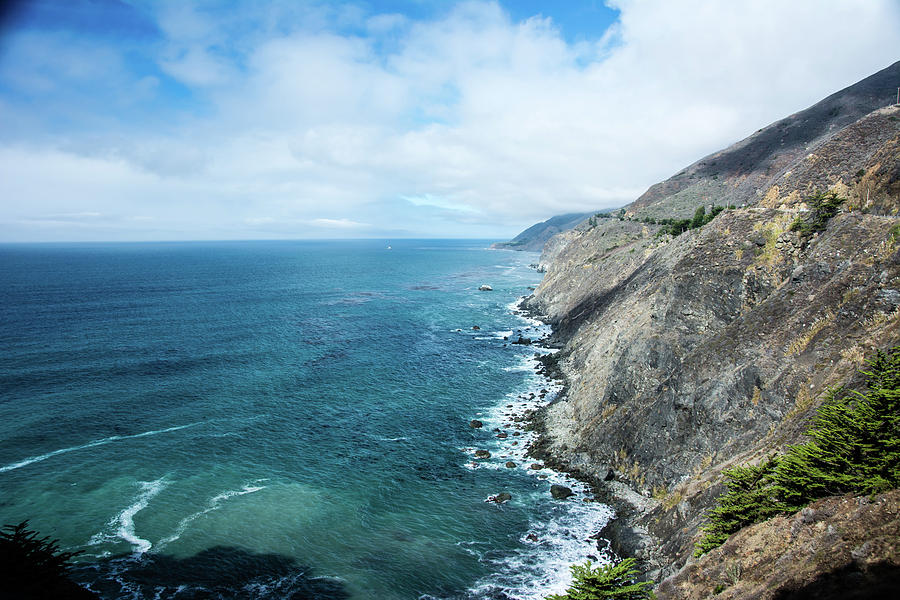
(540, 567)
(123, 522)
(565, 531)
(213, 504)
(93, 444)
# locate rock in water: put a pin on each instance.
(500, 498)
(510, 464)
(476, 424)
(486, 288)
(560, 492)
(482, 454)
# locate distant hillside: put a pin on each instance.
(534, 238)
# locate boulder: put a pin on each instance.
(523, 341)
(500, 498)
(510, 464)
(482, 454)
(476, 424)
(560, 492)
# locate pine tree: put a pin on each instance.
(750, 499)
(606, 581)
(854, 447)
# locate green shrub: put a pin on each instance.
(823, 206)
(894, 232)
(606, 581)
(854, 447)
(676, 227)
(699, 219)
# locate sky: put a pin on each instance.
(136, 120)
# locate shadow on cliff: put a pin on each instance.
(223, 573)
(881, 580)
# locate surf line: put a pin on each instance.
(93, 444)
(214, 504)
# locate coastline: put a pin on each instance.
(568, 531)
(622, 536)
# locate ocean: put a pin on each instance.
(284, 419)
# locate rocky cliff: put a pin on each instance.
(686, 355)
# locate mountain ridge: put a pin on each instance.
(534, 238)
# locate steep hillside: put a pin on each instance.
(534, 238)
(686, 355)
(743, 172)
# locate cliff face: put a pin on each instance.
(685, 356)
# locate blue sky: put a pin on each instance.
(403, 118)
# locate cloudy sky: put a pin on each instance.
(140, 120)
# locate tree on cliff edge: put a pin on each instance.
(854, 447)
(32, 567)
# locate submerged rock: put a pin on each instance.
(486, 288)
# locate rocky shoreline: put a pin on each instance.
(622, 536)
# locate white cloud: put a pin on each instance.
(442, 203)
(338, 224)
(497, 124)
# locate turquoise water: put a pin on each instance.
(278, 419)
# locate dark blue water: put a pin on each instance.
(277, 419)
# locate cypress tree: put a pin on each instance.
(750, 499)
(606, 581)
(854, 447)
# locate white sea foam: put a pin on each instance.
(562, 535)
(214, 504)
(541, 567)
(123, 523)
(93, 444)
